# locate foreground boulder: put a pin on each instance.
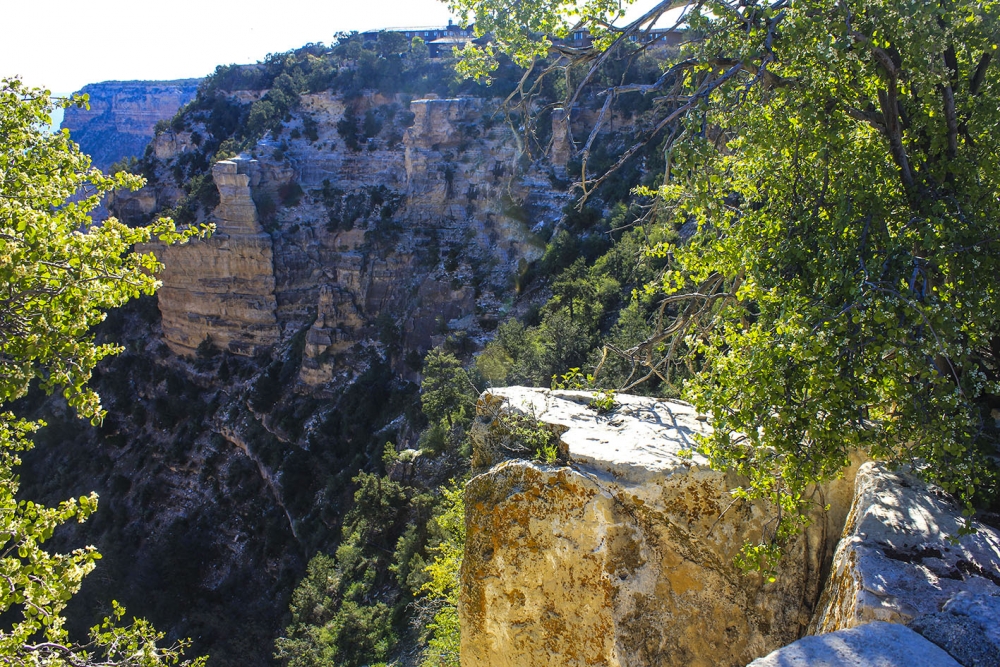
(877, 644)
(898, 562)
(623, 555)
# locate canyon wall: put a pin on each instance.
(123, 115)
(423, 229)
(222, 289)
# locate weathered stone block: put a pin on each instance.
(897, 561)
(876, 644)
(624, 557)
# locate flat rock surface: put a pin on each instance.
(637, 441)
(876, 644)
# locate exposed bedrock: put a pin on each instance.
(624, 557)
(877, 644)
(898, 561)
(222, 288)
(123, 115)
(423, 227)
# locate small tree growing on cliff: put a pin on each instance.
(840, 160)
(446, 389)
(59, 272)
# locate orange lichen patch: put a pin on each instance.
(686, 578)
(694, 503)
(538, 587)
(625, 551)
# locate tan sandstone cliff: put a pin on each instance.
(122, 116)
(425, 227)
(222, 288)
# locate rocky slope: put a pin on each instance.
(123, 115)
(368, 207)
(623, 555)
(279, 356)
(425, 226)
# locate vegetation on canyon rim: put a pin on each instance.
(837, 162)
(60, 272)
(839, 295)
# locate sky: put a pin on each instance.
(63, 45)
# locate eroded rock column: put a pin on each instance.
(222, 288)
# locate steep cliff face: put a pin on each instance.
(625, 555)
(278, 357)
(223, 288)
(423, 227)
(123, 115)
(354, 231)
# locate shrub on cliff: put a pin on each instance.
(343, 611)
(836, 161)
(59, 273)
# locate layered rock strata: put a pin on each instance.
(411, 235)
(222, 289)
(122, 116)
(624, 557)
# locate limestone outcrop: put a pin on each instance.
(413, 234)
(877, 644)
(222, 289)
(897, 562)
(624, 556)
(122, 116)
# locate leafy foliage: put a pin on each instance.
(585, 314)
(446, 389)
(339, 614)
(60, 272)
(838, 162)
(443, 646)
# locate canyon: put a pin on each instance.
(354, 232)
(281, 353)
(123, 115)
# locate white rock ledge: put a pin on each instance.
(638, 441)
(876, 644)
(896, 561)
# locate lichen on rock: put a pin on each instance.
(624, 556)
